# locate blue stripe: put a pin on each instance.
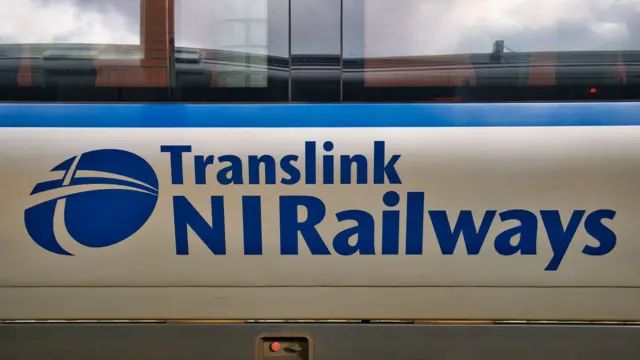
(318, 116)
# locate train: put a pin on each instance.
(340, 181)
(326, 211)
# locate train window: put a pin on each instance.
(144, 50)
(70, 22)
(315, 51)
(83, 50)
(491, 50)
(231, 50)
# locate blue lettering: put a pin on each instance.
(286, 164)
(186, 216)
(391, 225)
(290, 225)
(252, 225)
(175, 153)
(200, 164)
(600, 232)
(327, 164)
(559, 237)
(521, 238)
(364, 230)
(269, 169)
(310, 162)
(361, 169)
(232, 171)
(231, 174)
(465, 226)
(382, 169)
(415, 223)
(527, 230)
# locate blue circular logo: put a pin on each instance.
(102, 196)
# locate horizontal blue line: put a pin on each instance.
(318, 116)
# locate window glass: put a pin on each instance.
(315, 50)
(70, 22)
(441, 27)
(495, 49)
(231, 50)
(87, 29)
(144, 50)
(231, 37)
(81, 50)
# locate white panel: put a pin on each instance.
(477, 169)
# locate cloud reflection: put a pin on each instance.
(392, 28)
(66, 21)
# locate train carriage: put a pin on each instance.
(377, 167)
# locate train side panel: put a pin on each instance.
(320, 212)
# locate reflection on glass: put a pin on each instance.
(70, 22)
(230, 38)
(46, 44)
(430, 27)
(462, 43)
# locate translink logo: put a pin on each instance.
(105, 196)
(102, 197)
